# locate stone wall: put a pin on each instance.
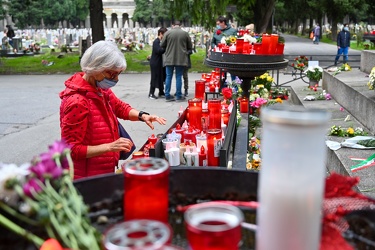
(367, 60)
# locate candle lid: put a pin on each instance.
(146, 166)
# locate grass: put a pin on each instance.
(68, 63)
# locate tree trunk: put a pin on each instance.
(262, 14)
(96, 20)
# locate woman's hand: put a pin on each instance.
(149, 119)
(121, 144)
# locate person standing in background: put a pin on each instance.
(176, 43)
(343, 43)
(316, 34)
(186, 73)
(10, 34)
(222, 29)
(158, 74)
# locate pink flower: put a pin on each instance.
(342, 109)
(258, 102)
(328, 96)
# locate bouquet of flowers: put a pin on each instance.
(41, 194)
(371, 82)
(228, 40)
(233, 90)
(266, 80)
(344, 67)
(314, 73)
(300, 63)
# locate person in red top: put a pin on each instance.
(89, 111)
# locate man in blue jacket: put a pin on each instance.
(343, 43)
(222, 29)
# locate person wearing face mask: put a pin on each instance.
(222, 29)
(343, 43)
(89, 112)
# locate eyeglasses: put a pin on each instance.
(113, 75)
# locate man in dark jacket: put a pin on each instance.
(222, 29)
(177, 44)
(343, 43)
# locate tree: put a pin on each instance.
(142, 12)
(96, 20)
(2, 9)
(26, 12)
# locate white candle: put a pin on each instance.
(291, 180)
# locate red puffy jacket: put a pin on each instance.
(88, 117)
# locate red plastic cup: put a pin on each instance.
(213, 226)
(146, 189)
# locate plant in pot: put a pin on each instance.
(314, 73)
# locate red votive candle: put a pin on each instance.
(138, 154)
(213, 146)
(225, 116)
(152, 139)
(266, 42)
(202, 157)
(199, 89)
(180, 130)
(244, 105)
(214, 107)
(146, 189)
(213, 226)
(258, 48)
(190, 135)
(273, 44)
(280, 48)
(239, 45)
(195, 113)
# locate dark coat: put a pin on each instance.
(343, 39)
(177, 44)
(156, 65)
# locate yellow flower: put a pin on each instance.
(233, 39)
(350, 131)
(278, 99)
(269, 78)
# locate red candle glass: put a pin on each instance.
(152, 139)
(204, 75)
(180, 130)
(213, 226)
(266, 42)
(190, 135)
(202, 157)
(214, 107)
(273, 44)
(258, 48)
(195, 113)
(225, 49)
(246, 48)
(205, 119)
(239, 45)
(280, 48)
(213, 146)
(225, 116)
(146, 189)
(199, 89)
(138, 154)
(244, 105)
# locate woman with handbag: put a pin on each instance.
(89, 112)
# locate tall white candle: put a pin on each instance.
(291, 181)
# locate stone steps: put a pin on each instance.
(349, 91)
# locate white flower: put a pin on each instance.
(10, 172)
(249, 38)
(223, 40)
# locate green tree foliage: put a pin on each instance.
(26, 12)
(2, 9)
(142, 12)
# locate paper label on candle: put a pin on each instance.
(217, 147)
(205, 122)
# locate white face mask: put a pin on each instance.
(346, 28)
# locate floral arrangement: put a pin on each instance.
(314, 73)
(344, 67)
(261, 91)
(300, 63)
(228, 40)
(233, 90)
(279, 92)
(266, 80)
(42, 194)
(346, 132)
(253, 154)
(371, 82)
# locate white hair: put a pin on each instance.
(101, 56)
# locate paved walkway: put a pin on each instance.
(29, 114)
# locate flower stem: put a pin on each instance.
(14, 213)
(20, 231)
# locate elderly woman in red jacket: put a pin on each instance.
(89, 111)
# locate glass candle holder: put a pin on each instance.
(244, 105)
(137, 235)
(138, 154)
(273, 44)
(213, 226)
(213, 146)
(258, 48)
(214, 107)
(199, 89)
(266, 41)
(239, 45)
(146, 189)
(195, 113)
(280, 48)
(190, 135)
(201, 139)
(152, 139)
(225, 116)
(291, 183)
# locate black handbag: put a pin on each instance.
(125, 155)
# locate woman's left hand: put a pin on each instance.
(149, 119)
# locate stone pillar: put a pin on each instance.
(120, 25)
(109, 21)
